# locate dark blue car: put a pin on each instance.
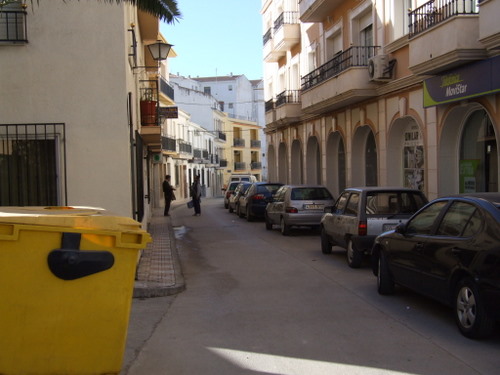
(253, 203)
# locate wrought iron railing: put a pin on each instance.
(13, 26)
(288, 97)
(239, 166)
(166, 88)
(168, 144)
(255, 165)
(269, 105)
(197, 153)
(354, 56)
(267, 37)
(436, 11)
(255, 143)
(289, 18)
(223, 162)
(185, 147)
(239, 142)
(222, 135)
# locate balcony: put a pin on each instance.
(168, 144)
(255, 143)
(255, 165)
(185, 147)
(240, 166)
(444, 34)
(238, 142)
(270, 54)
(286, 31)
(341, 81)
(489, 27)
(223, 163)
(166, 89)
(221, 135)
(288, 107)
(317, 10)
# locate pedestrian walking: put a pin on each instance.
(196, 195)
(168, 192)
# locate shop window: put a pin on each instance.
(478, 165)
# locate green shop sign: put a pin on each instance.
(470, 81)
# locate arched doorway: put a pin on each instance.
(296, 162)
(313, 160)
(405, 154)
(468, 158)
(282, 164)
(364, 158)
(335, 164)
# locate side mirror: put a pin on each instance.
(400, 228)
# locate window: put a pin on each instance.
(207, 90)
(456, 219)
(230, 105)
(32, 165)
(13, 24)
(424, 221)
(230, 87)
(352, 205)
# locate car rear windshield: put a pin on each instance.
(393, 203)
(267, 189)
(307, 194)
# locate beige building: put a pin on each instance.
(393, 92)
(243, 149)
(78, 91)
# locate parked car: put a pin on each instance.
(449, 251)
(360, 214)
(253, 203)
(297, 205)
(228, 191)
(241, 188)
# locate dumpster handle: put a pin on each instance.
(70, 263)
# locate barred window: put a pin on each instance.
(13, 24)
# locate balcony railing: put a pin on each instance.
(354, 56)
(166, 89)
(168, 144)
(223, 163)
(239, 166)
(13, 26)
(255, 165)
(185, 147)
(267, 37)
(288, 96)
(269, 105)
(437, 11)
(239, 142)
(255, 143)
(286, 18)
(197, 153)
(222, 135)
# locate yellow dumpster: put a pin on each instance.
(66, 284)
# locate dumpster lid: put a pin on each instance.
(66, 216)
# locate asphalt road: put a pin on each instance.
(257, 302)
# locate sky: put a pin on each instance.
(216, 38)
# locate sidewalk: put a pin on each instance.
(159, 272)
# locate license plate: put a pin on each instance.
(389, 227)
(313, 206)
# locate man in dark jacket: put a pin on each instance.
(168, 192)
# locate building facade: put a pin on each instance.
(394, 92)
(79, 124)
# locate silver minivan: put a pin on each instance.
(297, 205)
(360, 214)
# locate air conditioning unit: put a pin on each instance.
(380, 68)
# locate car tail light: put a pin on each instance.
(258, 197)
(362, 228)
(291, 210)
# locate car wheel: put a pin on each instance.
(326, 246)
(285, 229)
(249, 216)
(470, 314)
(385, 282)
(269, 225)
(354, 257)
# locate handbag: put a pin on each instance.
(190, 204)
